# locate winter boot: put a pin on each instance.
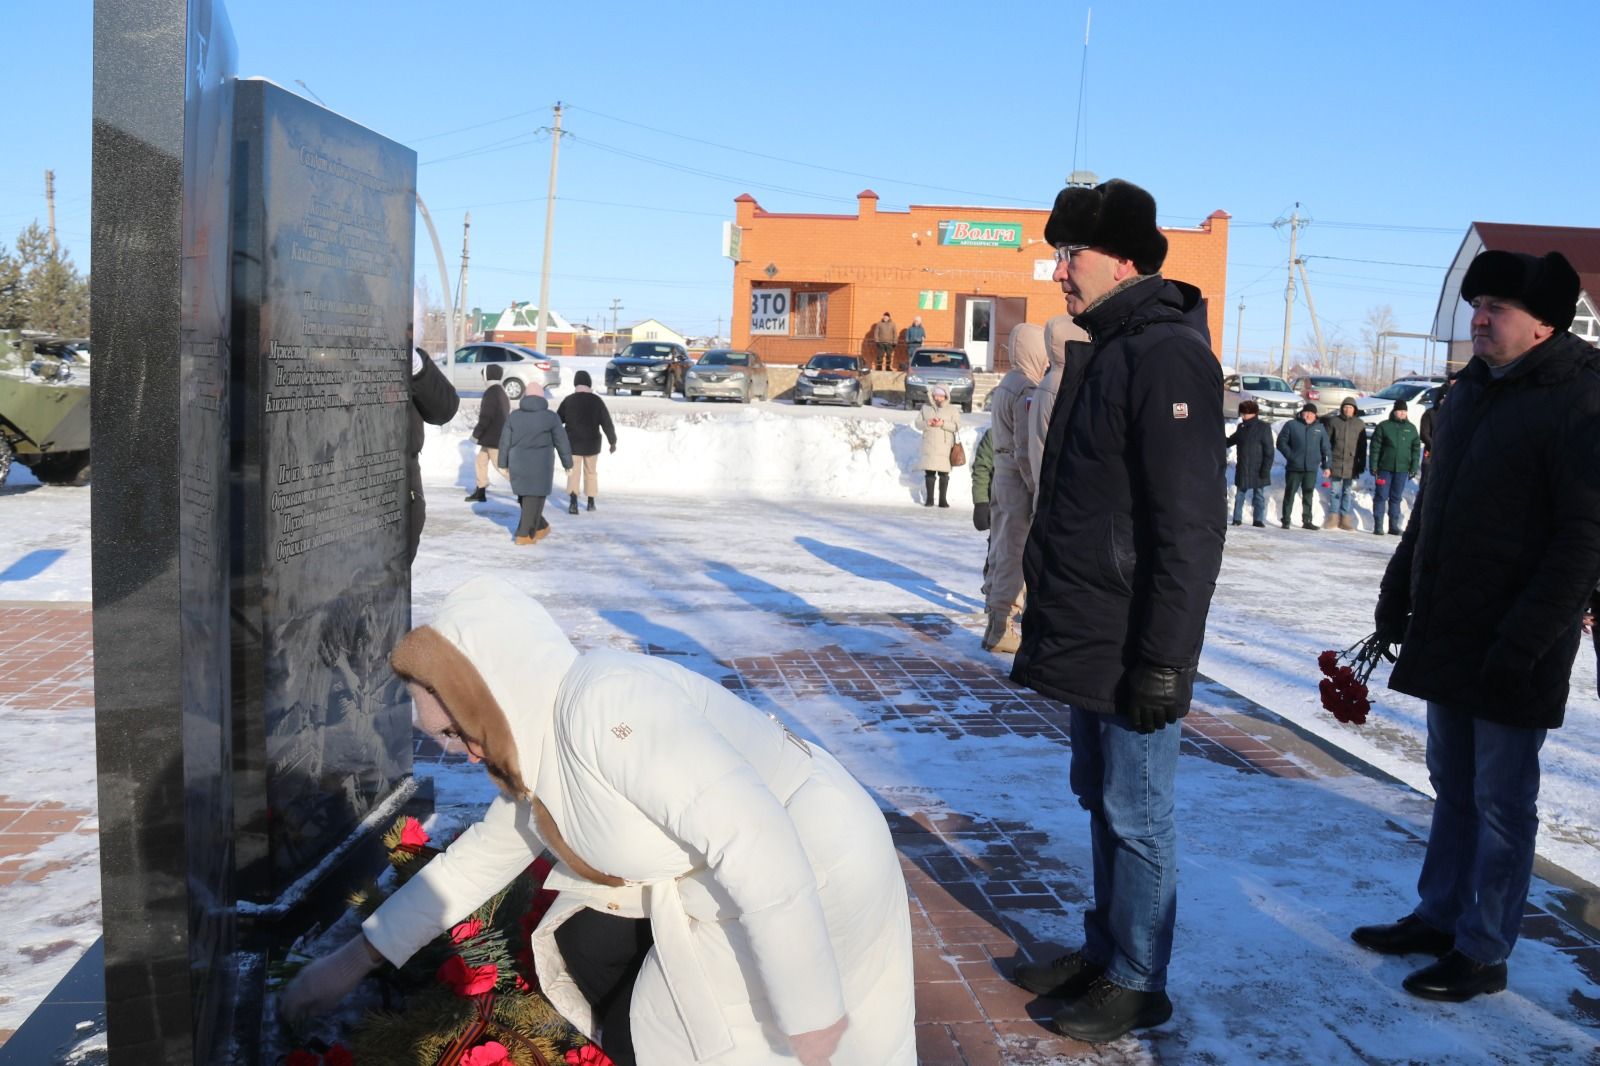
(1067, 977)
(524, 540)
(1331, 522)
(944, 486)
(478, 496)
(1347, 522)
(541, 533)
(572, 503)
(995, 631)
(1107, 1011)
(927, 489)
(591, 503)
(1377, 526)
(1009, 642)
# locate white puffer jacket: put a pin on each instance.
(773, 889)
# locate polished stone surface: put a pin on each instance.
(324, 229)
(163, 71)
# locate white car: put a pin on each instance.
(520, 365)
(1276, 400)
(1416, 392)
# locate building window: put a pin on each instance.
(810, 314)
(1586, 324)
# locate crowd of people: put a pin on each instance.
(731, 895)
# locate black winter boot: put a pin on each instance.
(572, 503)
(1107, 1011)
(927, 490)
(478, 496)
(1067, 977)
(944, 487)
(591, 503)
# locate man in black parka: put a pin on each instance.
(1485, 595)
(1252, 463)
(492, 412)
(434, 402)
(1121, 563)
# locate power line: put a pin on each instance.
(1378, 262)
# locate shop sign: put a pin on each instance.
(732, 238)
(981, 234)
(769, 312)
(932, 300)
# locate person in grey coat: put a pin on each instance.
(533, 436)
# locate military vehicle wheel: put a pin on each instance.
(7, 454)
(66, 468)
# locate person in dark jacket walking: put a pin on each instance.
(585, 417)
(532, 439)
(434, 402)
(1347, 446)
(1252, 464)
(1120, 564)
(1305, 448)
(1485, 596)
(492, 412)
(1396, 458)
(1425, 429)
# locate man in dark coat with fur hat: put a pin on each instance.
(1121, 562)
(1485, 596)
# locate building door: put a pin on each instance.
(1009, 312)
(977, 323)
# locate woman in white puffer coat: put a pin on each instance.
(772, 888)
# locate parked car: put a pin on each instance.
(1416, 392)
(646, 365)
(519, 364)
(939, 366)
(730, 374)
(1276, 400)
(1327, 391)
(832, 377)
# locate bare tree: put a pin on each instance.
(1379, 320)
(433, 312)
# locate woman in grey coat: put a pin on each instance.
(532, 437)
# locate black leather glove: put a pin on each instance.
(1153, 695)
(1391, 618)
(1506, 672)
(980, 516)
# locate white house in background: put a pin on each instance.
(653, 330)
(1452, 322)
(519, 324)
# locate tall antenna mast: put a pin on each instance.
(1083, 105)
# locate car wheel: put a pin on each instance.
(513, 388)
(745, 397)
(63, 468)
(967, 407)
(610, 390)
(7, 453)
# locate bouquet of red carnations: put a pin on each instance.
(1344, 680)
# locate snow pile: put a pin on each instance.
(761, 451)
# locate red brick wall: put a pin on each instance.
(875, 261)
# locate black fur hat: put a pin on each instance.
(1116, 216)
(1546, 285)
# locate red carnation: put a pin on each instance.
(412, 836)
(493, 1053)
(466, 930)
(338, 1055)
(1328, 661)
(303, 1057)
(588, 1055)
(467, 980)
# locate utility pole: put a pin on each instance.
(1294, 223)
(549, 227)
(461, 287)
(1238, 332)
(50, 204)
(616, 305)
(1316, 327)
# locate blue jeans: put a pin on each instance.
(1475, 875)
(1258, 503)
(1392, 490)
(1343, 497)
(1124, 779)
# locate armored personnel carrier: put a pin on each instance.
(44, 407)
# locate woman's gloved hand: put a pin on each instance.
(816, 1048)
(323, 984)
(980, 516)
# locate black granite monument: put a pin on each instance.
(251, 310)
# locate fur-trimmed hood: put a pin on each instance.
(492, 649)
(1028, 351)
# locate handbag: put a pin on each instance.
(958, 455)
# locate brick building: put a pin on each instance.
(808, 283)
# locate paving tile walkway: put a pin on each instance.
(971, 878)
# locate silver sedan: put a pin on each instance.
(724, 373)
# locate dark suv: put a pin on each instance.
(642, 365)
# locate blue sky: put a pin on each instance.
(1394, 125)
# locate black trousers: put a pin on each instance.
(532, 515)
(603, 953)
(944, 486)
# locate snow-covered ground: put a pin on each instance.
(726, 531)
